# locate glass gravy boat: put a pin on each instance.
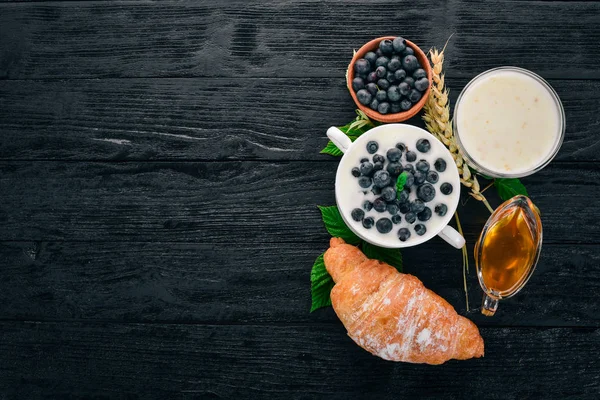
(507, 251)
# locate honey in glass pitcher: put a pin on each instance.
(508, 250)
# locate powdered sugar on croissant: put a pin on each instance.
(392, 315)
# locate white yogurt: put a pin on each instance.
(508, 121)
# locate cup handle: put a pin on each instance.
(450, 235)
(339, 138)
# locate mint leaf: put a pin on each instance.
(388, 256)
(508, 188)
(336, 226)
(332, 149)
(321, 284)
(400, 182)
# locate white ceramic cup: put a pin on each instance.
(387, 135)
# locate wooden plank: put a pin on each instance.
(276, 362)
(217, 283)
(308, 38)
(199, 119)
(234, 202)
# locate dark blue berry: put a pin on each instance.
(396, 219)
(414, 95)
(426, 192)
(364, 182)
(441, 209)
(372, 88)
(366, 168)
(374, 104)
(364, 97)
(372, 147)
(358, 214)
(378, 52)
(403, 234)
(381, 96)
(393, 208)
(432, 177)
(367, 205)
(393, 93)
(362, 66)
(394, 64)
(390, 77)
(399, 44)
(422, 84)
(386, 46)
(383, 84)
(371, 57)
(419, 73)
(368, 222)
(423, 145)
(410, 82)
(440, 165)
(379, 204)
(410, 180)
(378, 158)
(409, 168)
(417, 206)
(401, 147)
(384, 225)
(395, 108)
(405, 104)
(404, 208)
(404, 89)
(410, 63)
(420, 229)
(403, 196)
(382, 62)
(364, 159)
(394, 168)
(377, 166)
(394, 154)
(410, 217)
(381, 179)
(355, 172)
(399, 75)
(419, 177)
(424, 215)
(381, 72)
(372, 77)
(388, 193)
(411, 156)
(408, 52)
(384, 108)
(357, 84)
(446, 188)
(422, 166)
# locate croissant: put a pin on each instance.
(392, 315)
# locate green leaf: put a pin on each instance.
(336, 226)
(508, 188)
(321, 284)
(388, 256)
(353, 130)
(400, 183)
(332, 150)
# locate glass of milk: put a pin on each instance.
(508, 122)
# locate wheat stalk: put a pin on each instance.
(438, 122)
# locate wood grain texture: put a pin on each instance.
(235, 202)
(195, 283)
(307, 38)
(319, 361)
(217, 119)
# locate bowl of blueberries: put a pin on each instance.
(389, 79)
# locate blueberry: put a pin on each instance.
(396, 108)
(372, 147)
(388, 193)
(419, 73)
(386, 46)
(384, 225)
(364, 182)
(446, 188)
(403, 234)
(403, 196)
(410, 180)
(410, 82)
(376, 190)
(382, 62)
(390, 77)
(379, 204)
(383, 84)
(377, 166)
(364, 97)
(399, 44)
(381, 179)
(441, 209)
(404, 89)
(417, 206)
(405, 104)
(357, 84)
(364, 159)
(366, 168)
(362, 66)
(367, 205)
(374, 104)
(409, 168)
(411, 156)
(410, 217)
(368, 222)
(394, 154)
(371, 58)
(384, 108)
(358, 214)
(378, 158)
(419, 177)
(394, 64)
(396, 219)
(422, 166)
(424, 215)
(400, 74)
(420, 229)
(426, 192)
(394, 168)
(410, 63)
(378, 52)
(405, 208)
(355, 172)
(381, 72)
(372, 77)
(414, 95)
(393, 208)
(381, 96)
(408, 52)
(393, 93)
(372, 88)
(401, 146)
(440, 165)
(432, 177)
(423, 145)
(422, 84)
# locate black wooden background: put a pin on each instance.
(159, 176)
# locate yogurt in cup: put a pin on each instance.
(508, 122)
(350, 195)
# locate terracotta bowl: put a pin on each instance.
(373, 45)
